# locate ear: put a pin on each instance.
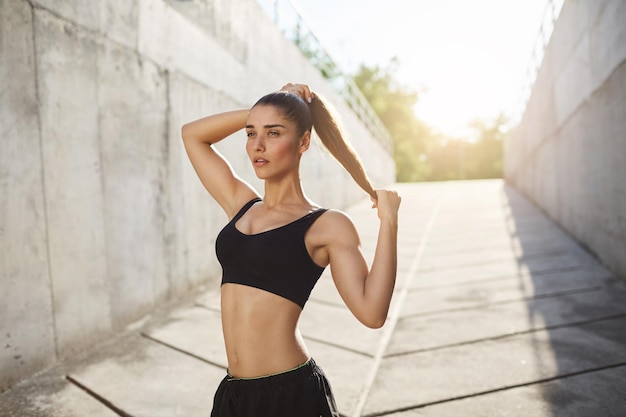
(305, 141)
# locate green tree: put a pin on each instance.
(486, 154)
(460, 158)
(394, 106)
(421, 154)
(447, 158)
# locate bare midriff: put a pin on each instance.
(260, 332)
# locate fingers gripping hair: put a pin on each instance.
(329, 132)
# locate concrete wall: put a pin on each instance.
(101, 215)
(569, 151)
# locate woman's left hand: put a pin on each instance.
(301, 90)
(387, 203)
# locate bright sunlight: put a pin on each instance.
(467, 59)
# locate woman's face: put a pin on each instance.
(273, 145)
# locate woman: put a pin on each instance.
(276, 246)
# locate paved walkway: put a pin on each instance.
(497, 312)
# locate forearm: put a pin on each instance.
(212, 129)
(381, 279)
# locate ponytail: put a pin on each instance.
(329, 132)
(317, 115)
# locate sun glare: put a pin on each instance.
(461, 84)
(468, 59)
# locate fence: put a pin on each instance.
(291, 22)
(551, 13)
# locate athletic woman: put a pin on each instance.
(276, 246)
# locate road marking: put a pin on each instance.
(394, 314)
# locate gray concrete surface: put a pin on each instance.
(102, 217)
(568, 153)
(497, 312)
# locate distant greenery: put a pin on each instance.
(420, 153)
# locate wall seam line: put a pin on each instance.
(43, 184)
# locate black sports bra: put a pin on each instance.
(275, 260)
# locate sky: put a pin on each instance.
(467, 59)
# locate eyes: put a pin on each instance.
(270, 133)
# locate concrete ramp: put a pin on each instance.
(497, 312)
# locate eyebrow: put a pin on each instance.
(267, 126)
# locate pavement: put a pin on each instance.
(497, 312)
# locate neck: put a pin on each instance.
(287, 191)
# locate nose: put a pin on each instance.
(259, 143)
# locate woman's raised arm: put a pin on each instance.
(367, 293)
(229, 190)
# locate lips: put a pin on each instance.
(259, 161)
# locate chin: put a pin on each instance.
(260, 175)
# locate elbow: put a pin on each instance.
(374, 322)
(371, 317)
(184, 132)
(189, 132)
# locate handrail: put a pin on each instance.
(551, 13)
(291, 22)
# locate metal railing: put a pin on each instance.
(291, 22)
(551, 13)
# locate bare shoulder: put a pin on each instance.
(335, 226)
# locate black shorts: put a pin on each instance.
(301, 392)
